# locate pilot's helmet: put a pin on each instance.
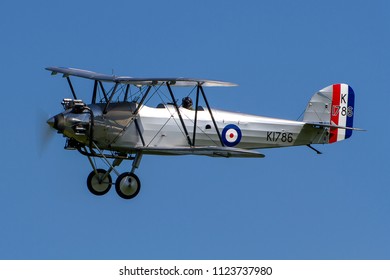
(187, 102)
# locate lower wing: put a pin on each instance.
(203, 151)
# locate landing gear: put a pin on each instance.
(127, 185)
(99, 182)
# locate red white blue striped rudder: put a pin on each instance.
(333, 106)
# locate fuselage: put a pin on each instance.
(161, 127)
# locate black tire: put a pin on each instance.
(127, 185)
(96, 187)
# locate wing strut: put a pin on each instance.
(111, 96)
(142, 101)
(136, 112)
(178, 113)
(71, 87)
(127, 92)
(196, 114)
(94, 92)
(211, 114)
(139, 131)
(103, 90)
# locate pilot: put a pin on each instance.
(186, 102)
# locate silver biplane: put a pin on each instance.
(118, 125)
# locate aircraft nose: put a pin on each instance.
(51, 122)
(57, 122)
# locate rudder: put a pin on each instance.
(333, 106)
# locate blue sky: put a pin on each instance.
(293, 204)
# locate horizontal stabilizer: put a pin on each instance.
(203, 151)
(336, 126)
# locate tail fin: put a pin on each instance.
(333, 106)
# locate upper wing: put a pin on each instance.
(203, 151)
(183, 82)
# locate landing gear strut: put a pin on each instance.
(127, 185)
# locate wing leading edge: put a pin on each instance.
(176, 81)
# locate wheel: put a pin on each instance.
(127, 185)
(96, 185)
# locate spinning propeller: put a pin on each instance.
(46, 132)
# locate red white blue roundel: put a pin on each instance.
(231, 135)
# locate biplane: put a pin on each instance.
(118, 124)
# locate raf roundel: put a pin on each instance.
(231, 135)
